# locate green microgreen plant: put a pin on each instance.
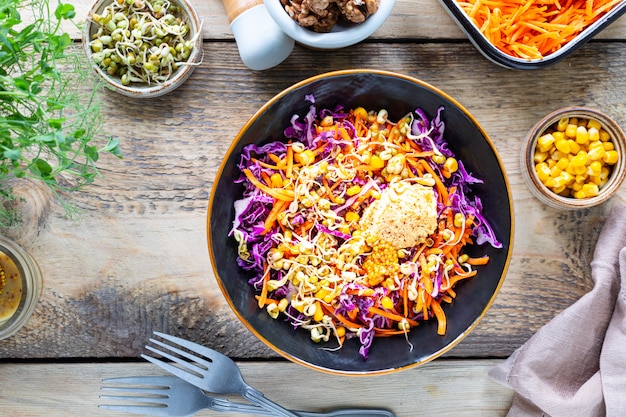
(49, 121)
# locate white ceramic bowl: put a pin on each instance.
(340, 36)
(141, 90)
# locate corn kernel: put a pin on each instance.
(562, 146)
(574, 147)
(596, 152)
(611, 157)
(590, 190)
(604, 173)
(594, 134)
(386, 302)
(305, 158)
(593, 124)
(451, 165)
(582, 136)
(276, 180)
(319, 313)
(562, 124)
(545, 142)
(594, 168)
(340, 331)
(555, 171)
(567, 178)
(580, 170)
(540, 156)
(352, 216)
(604, 135)
(327, 121)
(580, 159)
(543, 171)
(558, 182)
(360, 113)
(283, 304)
(608, 146)
(377, 162)
(354, 190)
(570, 130)
(562, 163)
(438, 159)
(579, 194)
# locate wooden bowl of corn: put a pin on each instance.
(574, 158)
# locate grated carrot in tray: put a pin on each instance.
(533, 29)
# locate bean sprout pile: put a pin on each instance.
(141, 41)
(355, 226)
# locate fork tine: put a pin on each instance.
(190, 356)
(138, 409)
(187, 371)
(156, 380)
(157, 401)
(203, 350)
(148, 390)
(174, 370)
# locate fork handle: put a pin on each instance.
(258, 398)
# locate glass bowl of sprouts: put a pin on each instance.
(143, 48)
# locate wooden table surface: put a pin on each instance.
(137, 260)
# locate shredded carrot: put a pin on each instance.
(264, 289)
(478, 261)
(277, 193)
(441, 317)
(273, 215)
(441, 188)
(289, 170)
(391, 316)
(533, 29)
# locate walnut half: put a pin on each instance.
(323, 15)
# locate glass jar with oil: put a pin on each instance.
(20, 287)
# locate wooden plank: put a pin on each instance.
(409, 20)
(137, 261)
(68, 390)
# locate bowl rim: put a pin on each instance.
(140, 91)
(335, 39)
(328, 370)
(489, 51)
(554, 200)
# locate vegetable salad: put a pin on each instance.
(533, 29)
(355, 225)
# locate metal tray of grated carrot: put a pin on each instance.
(523, 34)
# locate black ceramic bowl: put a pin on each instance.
(400, 95)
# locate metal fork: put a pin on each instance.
(169, 396)
(210, 370)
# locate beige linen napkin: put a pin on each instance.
(576, 364)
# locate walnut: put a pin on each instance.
(322, 15)
(371, 6)
(351, 11)
(317, 7)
